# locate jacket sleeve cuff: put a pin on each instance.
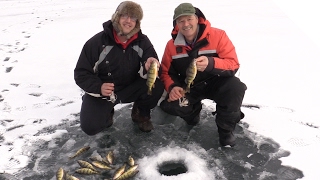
(210, 66)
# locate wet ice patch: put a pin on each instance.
(196, 167)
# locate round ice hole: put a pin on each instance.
(172, 168)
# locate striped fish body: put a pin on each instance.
(119, 171)
(86, 171)
(86, 164)
(60, 174)
(130, 161)
(132, 171)
(101, 165)
(110, 157)
(191, 74)
(80, 151)
(152, 76)
(127, 175)
(70, 177)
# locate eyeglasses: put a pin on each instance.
(126, 16)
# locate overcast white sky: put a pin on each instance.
(305, 14)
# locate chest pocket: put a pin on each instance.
(102, 56)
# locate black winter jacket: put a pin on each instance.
(120, 66)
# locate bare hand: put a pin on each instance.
(202, 63)
(107, 89)
(149, 61)
(175, 94)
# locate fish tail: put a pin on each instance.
(187, 89)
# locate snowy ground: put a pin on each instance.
(279, 138)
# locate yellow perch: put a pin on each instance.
(101, 165)
(191, 73)
(152, 76)
(80, 151)
(86, 171)
(130, 161)
(86, 164)
(60, 174)
(119, 171)
(132, 171)
(110, 157)
(70, 177)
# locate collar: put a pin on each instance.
(180, 40)
(124, 44)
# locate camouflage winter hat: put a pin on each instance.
(184, 9)
(132, 9)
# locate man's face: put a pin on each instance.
(188, 26)
(127, 23)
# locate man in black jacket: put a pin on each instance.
(112, 69)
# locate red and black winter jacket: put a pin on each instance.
(121, 64)
(211, 42)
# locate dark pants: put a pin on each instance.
(95, 111)
(226, 92)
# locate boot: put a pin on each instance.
(110, 120)
(192, 122)
(143, 122)
(226, 137)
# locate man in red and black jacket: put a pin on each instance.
(112, 69)
(193, 38)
